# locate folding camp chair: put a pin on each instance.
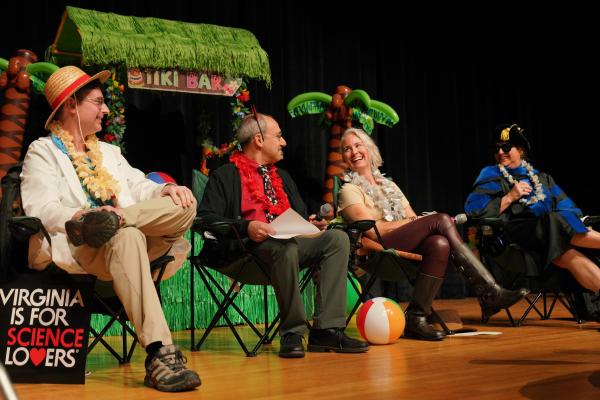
(388, 265)
(246, 270)
(515, 267)
(17, 229)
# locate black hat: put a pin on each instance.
(512, 133)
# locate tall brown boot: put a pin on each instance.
(425, 289)
(492, 297)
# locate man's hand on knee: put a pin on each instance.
(181, 195)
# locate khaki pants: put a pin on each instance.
(151, 227)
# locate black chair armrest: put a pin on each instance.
(221, 228)
(362, 225)
(491, 221)
(221, 233)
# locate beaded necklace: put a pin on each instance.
(537, 185)
(386, 196)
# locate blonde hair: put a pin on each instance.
(376, 160)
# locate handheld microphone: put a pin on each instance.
(590, 220)
(460, 219)
(324, 210)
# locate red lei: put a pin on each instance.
(248, 168)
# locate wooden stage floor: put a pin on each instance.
(552, 359)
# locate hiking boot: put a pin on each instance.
(166, 371)
(94, 228)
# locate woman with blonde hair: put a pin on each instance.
(368, 194)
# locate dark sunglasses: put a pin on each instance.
(506, 146)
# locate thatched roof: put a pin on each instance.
(98, 38)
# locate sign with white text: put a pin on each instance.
(173, 80)
(44, 327)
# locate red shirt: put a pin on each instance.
(252, 209)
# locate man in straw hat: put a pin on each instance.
(103, 217)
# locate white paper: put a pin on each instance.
(291, 224)
(478, 333)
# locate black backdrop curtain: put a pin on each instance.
(451, 80)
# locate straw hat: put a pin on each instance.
(66, 81)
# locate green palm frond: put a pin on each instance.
(364, 119)
(383, 113)
(39, 73)
(358, 98)
(309, 103)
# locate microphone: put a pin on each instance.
(590, 220)
(324, 211)
(460, 219)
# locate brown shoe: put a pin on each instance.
(94, 228)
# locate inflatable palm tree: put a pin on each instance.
(344, 109)
(17, 80)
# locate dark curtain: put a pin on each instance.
(450, 78)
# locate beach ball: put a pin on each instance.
(160, 177)
(380, 320)
(351, 294)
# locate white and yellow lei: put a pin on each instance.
(92, 174)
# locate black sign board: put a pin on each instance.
(44, 327)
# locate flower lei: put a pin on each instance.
(96, 179)
(247, 168)
(386, 196)
(239, 110)
(539, 191)
(115, 121)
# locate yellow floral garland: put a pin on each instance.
(88, 166)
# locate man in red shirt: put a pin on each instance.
(250, 192)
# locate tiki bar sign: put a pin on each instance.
(177, 81)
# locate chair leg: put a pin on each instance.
(221, 308)
(569, 304)
(266, 309)
(510, 317)
(120, 317)
(228, 297)
(192, 302)
(532, 306)
(206, 276)
(362, 295)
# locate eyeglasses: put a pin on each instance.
(506, 147)
(255, 114)
(99, 101)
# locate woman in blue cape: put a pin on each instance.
(542, 217)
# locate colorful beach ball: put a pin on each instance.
(160, 177)
(380, 320)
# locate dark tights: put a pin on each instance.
(433, 236)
